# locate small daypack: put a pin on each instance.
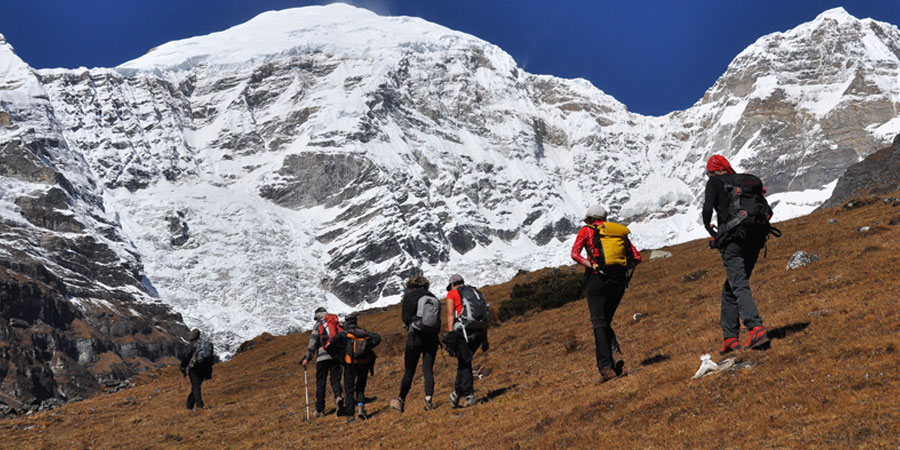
(475, 313)
(357, 350)
(204, 355)
(329, 329)
(747, 205)
(428, 315)
(611, 246)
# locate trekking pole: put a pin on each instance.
(306, 387)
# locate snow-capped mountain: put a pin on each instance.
(321, 155)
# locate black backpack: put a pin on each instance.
(747, 206)
(204, 356)
(475, 313)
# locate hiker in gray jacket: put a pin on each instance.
(328, 365)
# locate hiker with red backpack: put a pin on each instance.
(742, 214)
(468, 318)
(421, 315)
(359, 362)
(608, 268)
(323, 342)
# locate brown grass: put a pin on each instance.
(830, 379)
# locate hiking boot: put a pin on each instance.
(606, 374)
(730, 345)
(428, 405)
(470, 401)
(618, 363)
(758, 339)
(397, 403)
(339, 404)
(320, 414)
(361, 412)
(454, 399)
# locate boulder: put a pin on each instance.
(800, 259)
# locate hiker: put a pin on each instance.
(742, 214)
(421, 315)
(328, 359)
(467, 320)
(197, 364)
(608, 268)
(359, 362)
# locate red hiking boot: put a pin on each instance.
(758, 339)
(730, 345)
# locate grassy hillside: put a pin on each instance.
(830, 379)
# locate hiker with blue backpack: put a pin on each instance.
(610, 262)
(421, 315)
(359, 362)
(196, 363)
(468, 318)
(323, 343)
(742, 215)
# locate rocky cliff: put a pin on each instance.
(77, 312)
(877, 174)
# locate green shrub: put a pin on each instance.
(552, 291)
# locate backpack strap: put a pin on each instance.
(599, 260)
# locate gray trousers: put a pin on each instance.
(739, 257)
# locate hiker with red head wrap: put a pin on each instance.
(742, 214)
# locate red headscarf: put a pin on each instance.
(718, 162)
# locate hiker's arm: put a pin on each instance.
(312, 347)
(709, 202)
(374, 338)
(635, 253)
(408, 309)
(450, 309)
(580, 242)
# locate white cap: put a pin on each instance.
(597, 211)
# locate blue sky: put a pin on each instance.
(655, 56)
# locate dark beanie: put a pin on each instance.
(195, 334)
(350, 321)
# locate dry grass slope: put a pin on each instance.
(830, 379)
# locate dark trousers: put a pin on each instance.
(739, 257)
(355, 378)
(465, 383)
(419, 345)
(195, 397)
(327, 370)
(603, 296)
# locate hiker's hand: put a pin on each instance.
(485, 346)
(712, 230)
(304, 361)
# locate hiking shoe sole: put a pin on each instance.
(763, 343)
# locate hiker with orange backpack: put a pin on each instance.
(359, 362)
(323, 343)
(608, 268)
(742, 214)
(421, 315)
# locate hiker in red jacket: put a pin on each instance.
(743, 224)
(608, 267)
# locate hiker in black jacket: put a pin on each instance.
(328, 367)
(357, 365)
(739, 241)
(198, 371)
(420, 340)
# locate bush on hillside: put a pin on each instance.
(551, 291)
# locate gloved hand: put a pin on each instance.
(485, 346)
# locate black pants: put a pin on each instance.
(355, 378)
(195, 397)
(419, 345)
(465, 383)
(739, 257)
(603, 296)
(327, 370)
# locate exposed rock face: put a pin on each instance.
(350, 151)
(75, 314)
(878, 174)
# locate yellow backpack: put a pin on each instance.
(611, 246)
